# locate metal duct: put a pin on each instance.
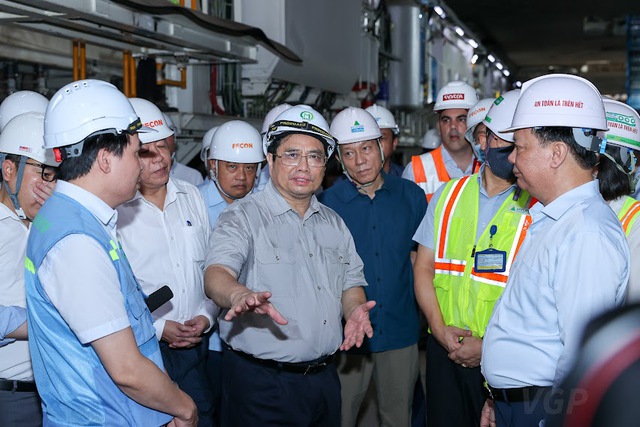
(405, 90)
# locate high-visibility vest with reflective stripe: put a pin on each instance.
(466, 297)
(429, 171)
(629, 214)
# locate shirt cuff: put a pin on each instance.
(159, 325)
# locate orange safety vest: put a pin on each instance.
(429, 171)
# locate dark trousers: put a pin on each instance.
(418, 409)
(188, 368)
(20, 409)
(455, 394)
(214, 374)
(256, 395)
(522, 414)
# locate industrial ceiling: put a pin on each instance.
(534, 37)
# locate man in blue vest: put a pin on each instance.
(95, 355)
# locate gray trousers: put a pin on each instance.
(394, 373)
(20, 409)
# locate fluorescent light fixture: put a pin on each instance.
(474, 59)
(518, 83)
(491, 58)
(499, 66)
(473, 43)
(506, 73)
(440, 12)
(459, 31)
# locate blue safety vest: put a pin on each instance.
(75, 388)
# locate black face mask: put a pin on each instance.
(496, 158)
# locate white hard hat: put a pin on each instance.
(20, 102)
(500, 114)
(384, 117)
(354, 125)
(24, 136)
(206, 143)
(624, 124)
(431, 140)
(271, 116)
(151, 117)
(456, 94)
(559, 100)
(238, 142)
(84, 107)
(169, 122)
(475, 116)
(300, 119)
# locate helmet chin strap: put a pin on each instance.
(214, 177)
(14, 196)
(619, 166)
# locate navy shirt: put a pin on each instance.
(383, 228)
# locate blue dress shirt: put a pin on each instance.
(382, 229)
(572, 266)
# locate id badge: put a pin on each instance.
(490, 261)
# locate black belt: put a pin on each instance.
(523, 394)
(305, 368)
(13, 385)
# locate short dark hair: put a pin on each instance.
(76, 167)
(280, 139)
(586, 159)
(612, 181)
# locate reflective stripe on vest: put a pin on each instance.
(28, 264)
(466, 297)
(433, 162)
(628, 214)
(114, 251)
(500, 279)
(429, 163)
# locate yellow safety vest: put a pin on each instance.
(466, 297)
(628, 214)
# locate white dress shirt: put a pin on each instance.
(167, 247)
(15, 361)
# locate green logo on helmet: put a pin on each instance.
(498, 101)
(306, 115)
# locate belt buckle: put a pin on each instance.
(312, 368)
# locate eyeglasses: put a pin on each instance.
(293, 158)
(48, 173)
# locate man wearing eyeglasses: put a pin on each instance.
(382, 212)
(28, 178)
(285, 272)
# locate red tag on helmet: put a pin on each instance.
(57, 154)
